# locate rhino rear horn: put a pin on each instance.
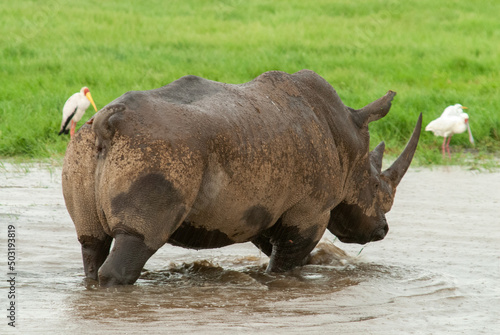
(398, 169)
(374, 111)
(376, 156)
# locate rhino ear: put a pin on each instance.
(376, 156)
(374, 111)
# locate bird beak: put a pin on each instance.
(91, 100)
(471, 139)
(463, 107)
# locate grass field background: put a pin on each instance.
(433, 53)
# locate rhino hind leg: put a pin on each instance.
(94, 253)
(124, 264)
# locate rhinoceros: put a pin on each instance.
(202, 164)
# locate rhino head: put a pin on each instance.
(360, 217)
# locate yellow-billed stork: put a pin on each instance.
(73, 110)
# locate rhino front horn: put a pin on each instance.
(398, 169)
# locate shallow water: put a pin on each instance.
(436, 272)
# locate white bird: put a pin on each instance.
(453, 121)
(73, 110)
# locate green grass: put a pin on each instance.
(433, 53)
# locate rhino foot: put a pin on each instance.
(124, 263)
(94, 253)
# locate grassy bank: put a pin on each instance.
(433, 53)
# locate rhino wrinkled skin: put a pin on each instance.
(202, 164)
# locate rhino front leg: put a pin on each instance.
(293, 238)
(125, 262)
(94, 253)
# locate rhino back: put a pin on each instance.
(259, 120)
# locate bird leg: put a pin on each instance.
(443, 147)
(448, 146)
(72, 129)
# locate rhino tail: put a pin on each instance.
(106, 122)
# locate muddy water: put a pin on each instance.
(437, 271)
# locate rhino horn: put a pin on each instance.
(376, 156)
(374, 111)
(398, 169)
